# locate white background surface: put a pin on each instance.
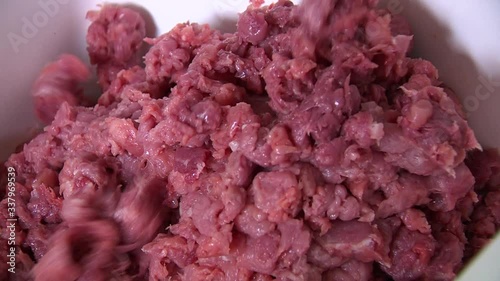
(461, 37)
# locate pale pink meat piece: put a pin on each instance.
(58, 83)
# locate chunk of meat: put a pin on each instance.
(409, 190)
(115, 34)
(331, 203)
(45, 205)
(174, 248)
(277, 194)
(58, 83)
(252, 26)
(353, 239)
(253, 222)
(260, 254)
(114, 39)
(350, 271)
(448, 189)
(139, 212)
(84, 251)
(294, 242)
(171, 53)
(411, 253)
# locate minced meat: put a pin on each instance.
(307, 145)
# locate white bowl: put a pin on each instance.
(460, 37)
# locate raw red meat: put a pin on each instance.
(307, 145)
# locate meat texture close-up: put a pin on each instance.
(307, 145)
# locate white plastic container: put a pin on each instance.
(460, 37)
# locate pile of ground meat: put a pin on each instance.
(307, 145)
